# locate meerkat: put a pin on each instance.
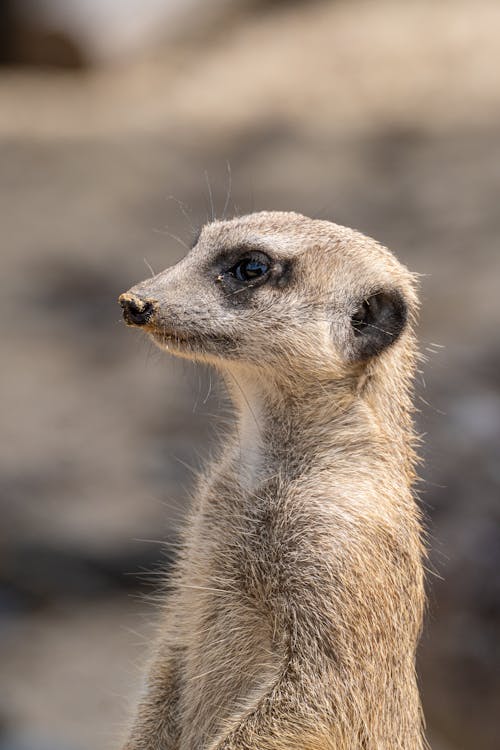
(296, 602)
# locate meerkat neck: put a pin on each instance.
(298, 425)
(388, 392)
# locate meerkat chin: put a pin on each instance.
(296, 602)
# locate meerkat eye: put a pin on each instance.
(253, 268)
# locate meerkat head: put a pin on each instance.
(278, 292)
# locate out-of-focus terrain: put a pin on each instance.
(379, 115)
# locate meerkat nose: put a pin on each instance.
(136, 311)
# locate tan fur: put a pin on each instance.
(296, 602)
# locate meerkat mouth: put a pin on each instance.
(169, 339)
(193, 345)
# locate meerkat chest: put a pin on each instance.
(229, 656)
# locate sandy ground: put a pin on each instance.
(383, 116)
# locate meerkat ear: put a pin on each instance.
(377, 322)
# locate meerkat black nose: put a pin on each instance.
(136, 311)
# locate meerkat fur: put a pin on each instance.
(296, 602)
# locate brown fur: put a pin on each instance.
(296, 602)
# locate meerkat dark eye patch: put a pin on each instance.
(377, 323)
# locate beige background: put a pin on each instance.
(380, 115)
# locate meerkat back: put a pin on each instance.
(296, 601)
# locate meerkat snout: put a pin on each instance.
(136, 311)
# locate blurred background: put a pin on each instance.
(118, 120)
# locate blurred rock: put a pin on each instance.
(75, 33)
